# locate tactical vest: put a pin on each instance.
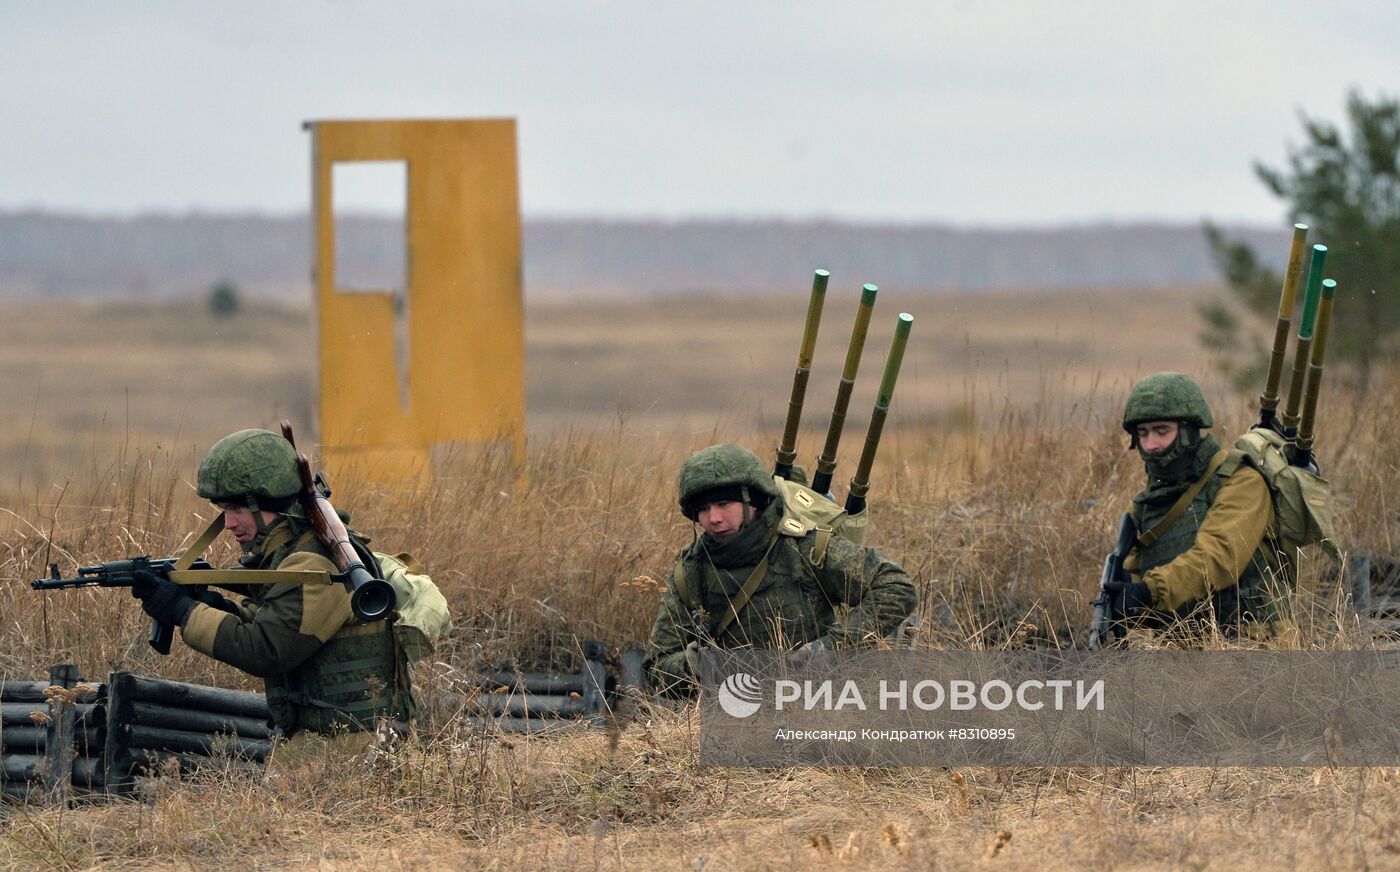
(1262, 590)
(787, 609)
(354, 680)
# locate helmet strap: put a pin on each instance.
(257, 514)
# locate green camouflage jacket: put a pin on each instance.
(798, 601)
(324, 670)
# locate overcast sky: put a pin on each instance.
(978, 113)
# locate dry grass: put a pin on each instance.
(1000, 509)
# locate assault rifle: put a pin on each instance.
(122, 573)
(1106, 626)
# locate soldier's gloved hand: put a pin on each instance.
(817, 656)
(1128, 600)
(214, 600)
(160, 598)
(692, 658)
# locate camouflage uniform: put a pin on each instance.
(808, 575)
(324, 671)
(1220, 552)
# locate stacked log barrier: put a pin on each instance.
(51, 734)
(535, 702)
(152, 722)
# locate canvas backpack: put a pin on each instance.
(806, 510)
(1302, 500)
(422, 618)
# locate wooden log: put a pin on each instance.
(634, 670)
(58, 748)
(151, 760)
(87, 773)
(116, 755)
(33, 691)
(598, 686)
(177, 694)
(19, 767)
(551, 684)
(184, 741)
(20, 714)
(156, 715)
(27, 739)
(533, 705)
(23, 691)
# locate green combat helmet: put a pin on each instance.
(725, 467)
(1166, 396)
(250, 467)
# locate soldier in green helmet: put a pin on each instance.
(759, 575)
(325, 672)
(1205, 521)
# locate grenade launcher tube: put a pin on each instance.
(1268, 401)
(826, 462)
(1306, 325)
(787, 448)
(860, 483)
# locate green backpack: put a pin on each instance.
(421, 617)
(1302, 500)
(806, 510)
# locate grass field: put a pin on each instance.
(998, 488)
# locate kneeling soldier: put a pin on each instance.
(1204, 521)
(758, 576)
(325, 671)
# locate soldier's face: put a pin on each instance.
(722, 518)
(1156, 436)
(239, 521)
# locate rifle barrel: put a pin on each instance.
(860, 483)
(826, 462)
(1305, 339)
(787, 448)
(1268, 401)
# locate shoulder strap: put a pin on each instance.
(745, 593)
(821, 543)
(1149, 538)
(683, 591)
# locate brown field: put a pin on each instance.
(997, 489)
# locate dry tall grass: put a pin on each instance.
(1001, 516)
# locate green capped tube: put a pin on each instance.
(787, 448)
(1316, 362)
(1305, 338)
(860, 483)
(826, 461)
(1268, 401)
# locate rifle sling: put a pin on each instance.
(1150, 537)
(201, 544)
(745, 593)
(250, 576)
